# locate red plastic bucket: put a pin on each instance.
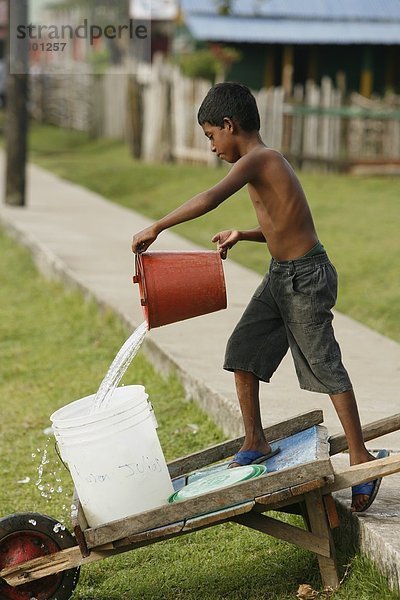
(175, 286)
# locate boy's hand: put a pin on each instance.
(226, 240)
(142, 240)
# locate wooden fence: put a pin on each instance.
(63, 99)
(155, 111)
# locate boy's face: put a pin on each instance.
(222, 140)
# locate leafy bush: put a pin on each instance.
(209, 63)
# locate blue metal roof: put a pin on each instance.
(289, 31)
(362, 10)
(294, 22)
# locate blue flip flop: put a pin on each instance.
(370, 488)
(252, 457)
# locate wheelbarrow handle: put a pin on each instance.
(373, 430)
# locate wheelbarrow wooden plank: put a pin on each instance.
(197, 460)
(289, 495)
(373, 430)
(218, 516)
(319, 525)
(236, 494)
(79, 523)
(52, 563)
(151, 535)
(285, 532)
(331, 511)
(77, 515)
(362, 473)
(182, 527)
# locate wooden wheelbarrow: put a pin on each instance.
(40, 557)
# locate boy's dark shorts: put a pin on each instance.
(292, 308)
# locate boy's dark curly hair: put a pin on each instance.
(232, 100)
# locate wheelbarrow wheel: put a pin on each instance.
(24, 536)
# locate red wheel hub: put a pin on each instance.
(20, 547)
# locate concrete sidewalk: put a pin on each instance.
(78, 236)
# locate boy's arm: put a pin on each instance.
(199, 205)
(227, 239)
(253, 235)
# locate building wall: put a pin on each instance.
(250, 69)
(366, 69)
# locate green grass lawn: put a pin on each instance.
(356, 217)
(56, 347)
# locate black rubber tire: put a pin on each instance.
(35, 534)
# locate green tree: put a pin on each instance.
(112, 5)
(224, 7)
(209, 63)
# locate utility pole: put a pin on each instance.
(17, 109)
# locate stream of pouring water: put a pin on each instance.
(118, 367)
(101, 401)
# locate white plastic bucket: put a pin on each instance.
(114, 456)
(77, 418)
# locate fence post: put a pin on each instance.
(134, 116)
(310, 140)
(155, 113)
(296, 139)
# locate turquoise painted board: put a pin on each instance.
(295, 450)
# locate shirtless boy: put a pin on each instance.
(292, 306)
